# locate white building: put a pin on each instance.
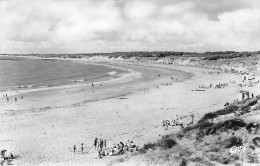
(245, 76)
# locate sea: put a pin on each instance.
(21, 73)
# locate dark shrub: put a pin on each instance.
(227, 110)
(233, 141)
(167, 142)
(200, 126)
(252, 125)
(225, 161)
(149, 146)
(207, 116)
(205, 125)
(231, 124)
(256, 141)
(251, 103)
(183, 162)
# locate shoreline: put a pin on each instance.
(123, 80)
(76, 84)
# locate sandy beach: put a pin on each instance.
(129, 83)
(43, 127)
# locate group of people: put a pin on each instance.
(204, 87)
(211, 72)
(118, 149)
(8, 98)
(5, 157)
(100, 144)
(226, 104)
(250, 84)
(221, 85)
(243, 97)
(175, 122)
(81, 148)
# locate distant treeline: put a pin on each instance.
(156, 54)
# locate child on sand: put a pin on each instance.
(99, 154)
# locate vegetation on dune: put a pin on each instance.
(244, 105)
(159, 54)
(225, 55)
(208, 142)
(166, 142)
(149, 146)
(211, 115)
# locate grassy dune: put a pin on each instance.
(209, 141)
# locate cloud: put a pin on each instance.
(177, 9)
(54, 26)
(214, 8)
(139, 9)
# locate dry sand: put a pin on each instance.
(43, 127)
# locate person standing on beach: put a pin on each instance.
(101, 144)
(82, 148)
(74, 148)
(192, 118)
(98, 145)
(15, 99)
(105, 144)
(95, 143)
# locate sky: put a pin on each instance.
(87, 26)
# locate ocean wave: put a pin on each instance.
(44, 86)
(77, 80)
(9, 89)
(25, 86)
(112, 73)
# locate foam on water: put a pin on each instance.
(112, 73)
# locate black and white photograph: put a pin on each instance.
(130, 82)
